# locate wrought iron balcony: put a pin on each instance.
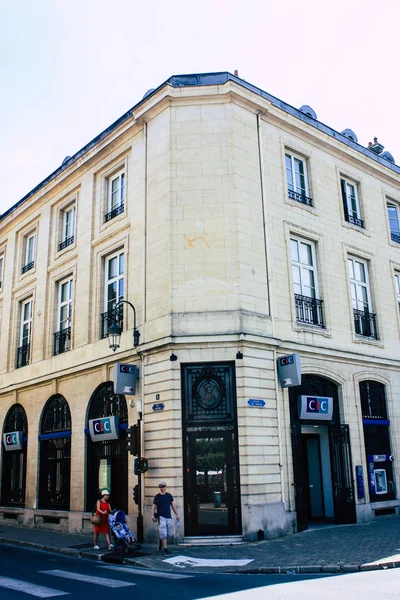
(107, 318)
(66, 242)
(62, 341)
(365, 323)
(300, 198)
(395, 237)
(114, 212)
(353, 220)
(309, 310)
(23, 355)
(28, 267)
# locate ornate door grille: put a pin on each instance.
(14, 462)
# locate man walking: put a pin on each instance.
(162, 503)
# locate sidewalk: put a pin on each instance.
(343, 548)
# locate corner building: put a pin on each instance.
(242, 230)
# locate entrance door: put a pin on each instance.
(314, 471)
(211, 484)
(211, 464)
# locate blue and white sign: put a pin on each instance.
(158, 407)
(289, 370)
(315, 408)
(104, 428)
(256, 402)
(125, 378)
(13, 440)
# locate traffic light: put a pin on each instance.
(133, 439)
(144, 465)
(136, 494)
(136, 466)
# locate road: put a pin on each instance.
(26, 574)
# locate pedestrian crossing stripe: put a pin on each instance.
(111, 583)
(29, 588)
(146, 572)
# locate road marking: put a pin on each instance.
(112, 583)
(147, 573)
(29, 588)
(186, 561)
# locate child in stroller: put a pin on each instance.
(122, 536)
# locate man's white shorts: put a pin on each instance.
(165, 528)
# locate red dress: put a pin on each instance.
(103, 526)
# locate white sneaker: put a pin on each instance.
(96, 548)
(111, 546)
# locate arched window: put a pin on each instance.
(107, 461)
(377, 441)
(14, 461)
(55, 454)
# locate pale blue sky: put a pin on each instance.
(69, 68)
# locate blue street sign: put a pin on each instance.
(256, 402)
(157, 407)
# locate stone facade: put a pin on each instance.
(205, 230)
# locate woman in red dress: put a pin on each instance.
(103, 508)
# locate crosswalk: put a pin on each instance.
(93, 579)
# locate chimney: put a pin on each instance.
(236, 73)
(376, 146)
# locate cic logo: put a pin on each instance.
(102, 426)
(317, 405)
(11, 439)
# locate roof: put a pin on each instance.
(206, 79)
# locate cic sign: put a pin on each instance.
(289, 370)
(315, 408)
(125, 377)
(104, 428)
(13, 440)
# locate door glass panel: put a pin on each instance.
(211, 483)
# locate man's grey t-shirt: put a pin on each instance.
(163, 504)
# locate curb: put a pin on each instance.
(289, 570)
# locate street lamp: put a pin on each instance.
(114, 331)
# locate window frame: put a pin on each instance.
(29, 251)
(397, 286)
(64, 228)
(394, 235)
(61, 304)
(367, 284)
(116, 279)
(297, 193)
(1, 271)
(28, 321)
(350, 216)
(303, 266)
(121, 197)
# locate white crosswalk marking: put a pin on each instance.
(112, 583)
(146, 573)
(29, 588)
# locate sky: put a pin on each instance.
(70, 68)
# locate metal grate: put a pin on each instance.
(300, 198)
(365, 323)
(114, 212)
(62, 341)
(23, 355)
(28, 267)
(66, 242)
(309, 310)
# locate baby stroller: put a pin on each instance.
(122, 536)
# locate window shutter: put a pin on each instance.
(344, 196)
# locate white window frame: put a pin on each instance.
(303, 267)
(68, 224)
(356, 285)
(292, 185)
(120, 192)
(67, 303)
(397, 284)
(1, 271)
(30, 249)
(353, 210)
(390, 206)
(26, 322)
(109, 281)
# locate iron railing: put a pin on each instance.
(66, 242)
(309, 310)
(365, 323)
(28, 267)
(23, 355)
(114, 212)
(62, 341)
(353, 220)
(395, 237)
(300, 198)
(107, 318)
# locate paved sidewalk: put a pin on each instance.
(344, 548)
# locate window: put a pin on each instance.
(305, 282)
(23, 351)
(30, 249)
(68, 228)
(397, 284)
(1, 272)
(116, 196)
(113, 290)
(351, 203)
(296, 174)
(364, 319)
(62, 338)
(393, 216)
